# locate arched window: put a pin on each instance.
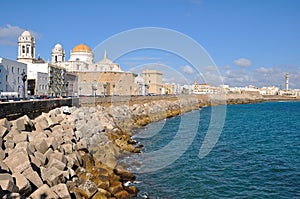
(23, 49)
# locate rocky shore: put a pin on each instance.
(75, 154)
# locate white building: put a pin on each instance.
(11, 74)
(43, 78)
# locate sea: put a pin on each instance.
(255, 155)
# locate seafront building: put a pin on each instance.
(11, 78)
(43, 78)
(153, 80)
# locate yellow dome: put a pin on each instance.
(81, 48)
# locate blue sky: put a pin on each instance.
(251, 41)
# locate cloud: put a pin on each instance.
(9, 34)
(188, 69)
(242, 62)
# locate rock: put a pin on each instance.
(43, 192)
(99, 195)
(122, 195)
(87, 189)
(22, 183)
(132, 190)
(81, 145)
(13, 196)
(115, 187)
(33, 177)
(62, 191)
(17, 161)
(68, 148)
(59, 156)
(52, 176)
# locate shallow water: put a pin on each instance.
(257, 155)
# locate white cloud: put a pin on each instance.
(9, 34)
(242, 62)
(188, 69)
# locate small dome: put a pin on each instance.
(58, 46)
(26, 33)
(82, 48)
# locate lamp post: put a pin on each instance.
(24, 78)
(67, 88)
(94, 88)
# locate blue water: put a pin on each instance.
(256, 156)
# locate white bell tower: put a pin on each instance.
(26, 48)
(58, 54)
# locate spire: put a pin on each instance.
(104, 57)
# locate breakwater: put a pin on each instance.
(76, 154)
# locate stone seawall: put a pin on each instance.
(13, 110)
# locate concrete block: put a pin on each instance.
(68, 148)
(42, 146)
(3, 167)
(43, 192)
(40, 157)
(59, 156)
(87, 189)
(53, 162)
(81, 145)
(3, 131)
(2, 154)
(62, 191)
(48, 153)
(5, 123)
(17, 161)
(24, 123)
(13, 196)
(22, 183)
(22, 137)
(41, 123)
(8, 185)
(52, 176)
(9, 145)
(34, 161)
(33, 177)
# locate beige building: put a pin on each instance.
(153, 79)
(106, 83)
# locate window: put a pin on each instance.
(6, 78)
(27, 49)
(18, 71)
(23, 49)
(12, 69)
(18, 79)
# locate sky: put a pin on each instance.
(251, 42)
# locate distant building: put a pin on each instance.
(153, 78)
(11, 74)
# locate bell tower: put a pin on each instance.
(58, 54)
(26, 48)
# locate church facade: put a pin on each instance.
(100, 78)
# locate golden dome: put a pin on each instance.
(81, 48)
